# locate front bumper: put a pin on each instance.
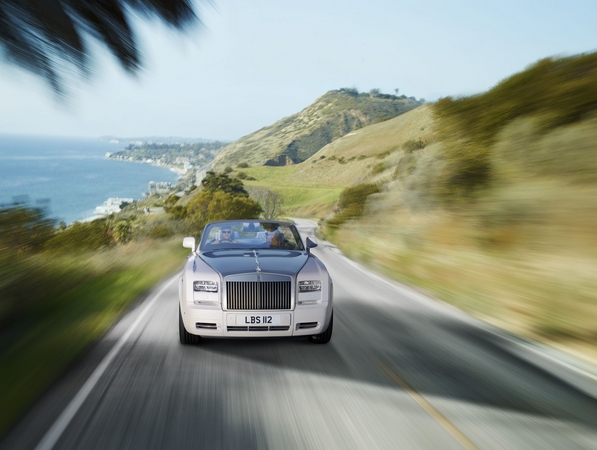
(213, 322)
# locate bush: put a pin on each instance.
(160, 232)
(24, 228)
(228, 169)
(378, 168)
(555, 91)
(82, 235)
(178, 212)
(207, 207)
(122, 231)
(242, 165)
(222, 182)
(351, 203)
(170, 201)
(413, 144)
(241, 176)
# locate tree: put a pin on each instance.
(206, 207)
(224, 206)
(270, 201)
(222, 182)
(47, 37)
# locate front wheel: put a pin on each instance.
(186, 338)
(324, 338)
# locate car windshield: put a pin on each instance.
(250, 235)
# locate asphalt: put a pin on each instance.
(402, 371)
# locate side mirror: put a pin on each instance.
(311, 242)
(189, 242)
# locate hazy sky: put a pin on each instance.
(255, 62)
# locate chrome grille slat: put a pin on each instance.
(258, 295)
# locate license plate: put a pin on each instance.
(255, 319)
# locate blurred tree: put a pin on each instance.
(48, 37)
(24, 228)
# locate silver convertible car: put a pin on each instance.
(254, 279)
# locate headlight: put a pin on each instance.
(205, 286)
(309, 286)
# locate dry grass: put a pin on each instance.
(546, 296)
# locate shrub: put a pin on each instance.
(241, 176)
(206, 207)
(242, 165)
(228, 169)
(170, 201)
(413, 144)
(160, 231)
(122, 231)
(178, 212)
(25, 228)
(378, 168)
(351, 203)
(222, 182)
(82, 235)
(556, 91)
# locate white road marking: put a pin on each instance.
(56, 430)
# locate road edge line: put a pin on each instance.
(54, 433)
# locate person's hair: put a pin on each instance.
(270, 225)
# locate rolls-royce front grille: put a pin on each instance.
(258, 295)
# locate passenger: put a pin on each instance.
(273, 235)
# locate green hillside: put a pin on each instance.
(294, 139)
(496, 211)
(487, 202)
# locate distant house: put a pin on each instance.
(161, 187)
(112, 206)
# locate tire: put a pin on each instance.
(324, 338)
(186, 338)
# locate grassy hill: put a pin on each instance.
(487, 202)
(296, 138)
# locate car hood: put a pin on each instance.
(234, 262)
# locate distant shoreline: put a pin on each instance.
(181, 172)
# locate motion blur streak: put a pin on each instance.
(287, 393)
(428, 407)
(54, 433)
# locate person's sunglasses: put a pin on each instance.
(226, 232)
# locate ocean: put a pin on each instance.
(69, 176)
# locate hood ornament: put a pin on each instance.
(258, 268)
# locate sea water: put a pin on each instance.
(69, 176)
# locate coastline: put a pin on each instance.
(176, 169)
(97, 215)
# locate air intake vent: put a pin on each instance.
(209, 326)
(260, 328)
(304, 325)
(258, 295)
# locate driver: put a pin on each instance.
(226, 234)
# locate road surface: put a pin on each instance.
(402, 371)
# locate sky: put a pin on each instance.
(255, 62)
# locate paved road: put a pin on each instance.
(401, 371)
